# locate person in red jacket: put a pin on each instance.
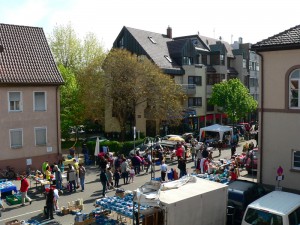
(179, 152)
(23, 189)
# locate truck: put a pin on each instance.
(201, 202)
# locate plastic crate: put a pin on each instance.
(13, 199)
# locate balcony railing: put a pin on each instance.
(189, 89)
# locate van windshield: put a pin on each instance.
(259, 217)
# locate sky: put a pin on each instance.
(253, 20)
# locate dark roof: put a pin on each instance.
(26, 57)
(232, 71)
(156, 51)
(211, 42)
(288, 39)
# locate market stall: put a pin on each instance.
(6, 188)
(218, 129)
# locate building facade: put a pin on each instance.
(279, 108)
(29, 96)
(195, 62)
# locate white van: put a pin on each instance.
(275, 208)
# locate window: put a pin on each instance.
(168, 58)
(244, 63)
(294, 81)
(257, 66)
(152, 40)
(188, 60)
(16, 138)
(256, 216)
(39, 101)
(195, 101)
(294, 217)
(296, 159)
(15, 100)
(214, 78)
(204, 59)
(209, 107)
(195, 80)
(40, 136)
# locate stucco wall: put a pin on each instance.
(280, 128)
(28, 119)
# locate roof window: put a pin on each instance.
(168, 58)
(152, 40)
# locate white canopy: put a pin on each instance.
(217, 128)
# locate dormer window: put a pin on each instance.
(168, 58)
(188, 60)
(152, 40)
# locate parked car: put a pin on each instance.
(251, 161)
(94, 138)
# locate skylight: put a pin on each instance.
(168, 58)
(152, 40)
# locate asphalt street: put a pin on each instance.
(92, 192)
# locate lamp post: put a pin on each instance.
(152, 163)
(77, 130)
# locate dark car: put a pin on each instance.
(251, 160)
(240, 194)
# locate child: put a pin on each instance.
(117, 177)
(131, 174)
(109, 175)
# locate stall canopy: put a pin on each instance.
(217, 128)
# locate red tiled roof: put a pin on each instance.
(26, 57)
(288, 39)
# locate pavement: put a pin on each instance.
(92, 192)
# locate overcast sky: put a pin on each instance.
(253, 20)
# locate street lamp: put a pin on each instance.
(152, 163)
(76, 130)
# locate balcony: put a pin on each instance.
(189, 89)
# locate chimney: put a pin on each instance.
(240, 40)
(169, 32)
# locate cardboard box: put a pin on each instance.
(65, 211)
(86, 222)
(13, 222)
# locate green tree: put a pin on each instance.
(82, 60)
(132, 80)
(233, 98)
(70, 107)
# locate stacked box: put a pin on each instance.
(13, 222)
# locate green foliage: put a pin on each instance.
(233, 98)
(139, 81)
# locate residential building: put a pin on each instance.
(279, 108)
(195, 62)
(29, 95)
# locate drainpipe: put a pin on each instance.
(261, 116)
(57, 124)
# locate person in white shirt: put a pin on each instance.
(163, 170)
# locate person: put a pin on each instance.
(233, 174)
(109, 175)
(163, 170)
(72, 151)
(220, 146)
(23, 189)
(136, 163)
(131, 174)
(76, 167)
(103, 180)
(50, 204)
(256, 138)
(125, 170)
(81, 175)
(44, 166)
(58, 177)
(85, 153)
(71, 177)
(179, 151)
(182, 167)
(193, 152)
(117, 177)
(48, 173)
(55, 199)
(102, 163)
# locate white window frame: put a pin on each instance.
(290, 93)
(20, 102)
(293, 159)
(45, 101)
(10, 138)
(35, 136)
